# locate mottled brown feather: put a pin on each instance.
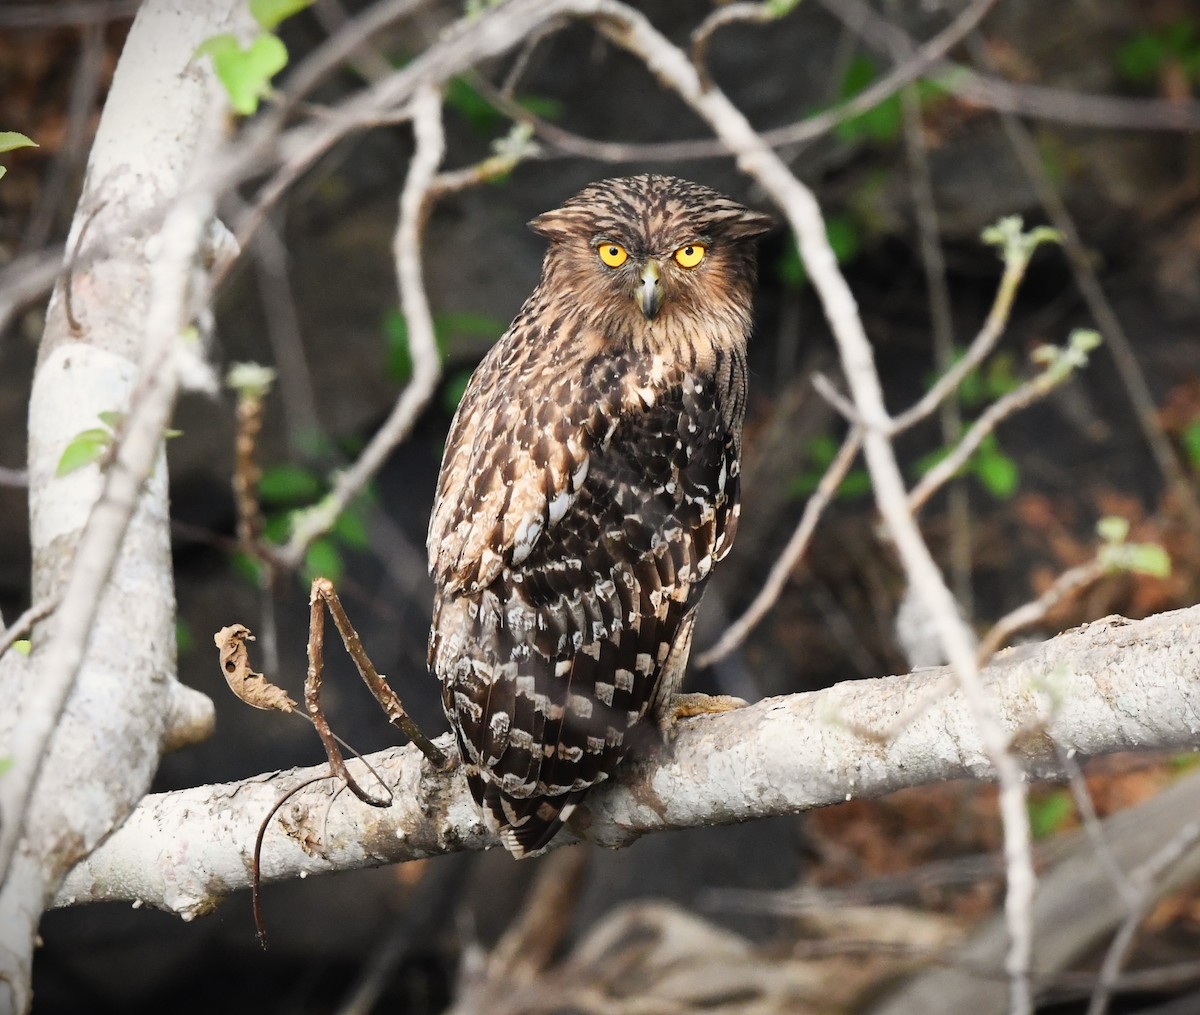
(590, 482)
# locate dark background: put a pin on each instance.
(323, 321)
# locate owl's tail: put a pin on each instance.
(526, 826)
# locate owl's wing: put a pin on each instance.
(516, 457)
(548, 671)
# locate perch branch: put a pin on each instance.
(1112, 685)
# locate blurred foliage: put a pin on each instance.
(1118, 555)
(845, 239)
(1050, 813)
(884, 121)
(285, 491)
(995, 470)
(821, 452)
(1145, 57)
(1191, 443)
(484, 118)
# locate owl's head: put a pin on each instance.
(647, 252)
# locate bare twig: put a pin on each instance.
(426, 369)
(296, 388)
(1093, 827)
(252, 383)
(260, 925)
(342, 45)
(16, 478)
(24, 623)
(782, 569)
(1144, 878)
(755, 13)
(69, 281)
(828, 391)
(1028, 614)
(1036, 387)
(324, 592)
(941, 315)
(805, 130)
(1015, 265)
(312, 694)
(1042, 102)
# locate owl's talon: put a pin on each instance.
(688, 706)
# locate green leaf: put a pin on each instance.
(85, 448)
(351, 529)
(277, 527)
(247, 566)
(791, 268)
(5, 765)
(1113, 529)
(882, 121)
(454, 390)
(289, 484)
(1141, 58)
(481, 115)
(1050, 814)
(184, 642)
(112, 420)
(780, 8)
(24, 646)
(856, 485)
(465, 323)
(996, 471)
(844, 237)
(323, 559)
(246, 73)
(269, 13)
(1191, 442)
(845, 240)
(544, 107)
(11, 140)
(445, 327)
(1149, 559)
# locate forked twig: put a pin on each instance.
(323, 593)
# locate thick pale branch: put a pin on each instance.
(1113, 685)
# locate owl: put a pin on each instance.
(588, 488)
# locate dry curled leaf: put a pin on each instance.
(253, 688)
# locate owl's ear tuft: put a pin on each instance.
(749, 224)
(554, 225)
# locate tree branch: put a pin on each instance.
(1109, 686)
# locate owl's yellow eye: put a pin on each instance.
(689, 256)
(612, 254)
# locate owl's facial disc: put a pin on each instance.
(648, 293)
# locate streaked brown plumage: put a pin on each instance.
(590, 482)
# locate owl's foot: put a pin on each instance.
(688, 706)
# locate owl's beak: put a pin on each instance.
(649, 290)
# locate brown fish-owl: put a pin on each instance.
(589, 485)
